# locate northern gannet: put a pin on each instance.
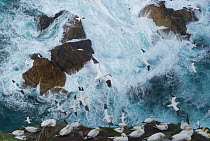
(28, 120)
(123, 124)
(193, 67)
(174, 104)
(137, 133)
(49, 122)
(79, 19)
(119, 129)
(21, 137)
(16, 87)
(161, 126)
(76, 124)
(123, 116)
(107, 117)
(82, 100)
(181, 137)
(60, 108)
(93, 133)
(74, 107)
(204, 133)
(31, 129)
(100, 75)
(156, 137)
(183, 125)
(137, 127)
(144, 59)
(188, 131)
(122, 138)
(66, 130)
(18, 133)
(149, 120)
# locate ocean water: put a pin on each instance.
(117, 35)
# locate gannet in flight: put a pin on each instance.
(193, 67)
(107, 117)
(156, 137)
(137, 133)
(93, 133)
(144, 59)
(119, 129)
(161, 126)
(82, 100)
(79, 19)
(123, 116)
(60, 108)
(149, 120)
(49, 122)
(16, 87)
(28, 120)
(74, 107)
(174, 104)
(122, 138)
(66, 130)
(100, 75)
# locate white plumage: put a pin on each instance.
(49, 122)
(123, 116)
(76, 124)
(144, 59)
(123, 124)
(66, 130)
(183, 124)
(31, 129)
(18, 133)
(119, 129)
(82, 100)
(156, 137)
(107, 117)
(174, 104)
(181, 137)
(149, 120)
(122, 138)
(162, 127)
(100, 75)
(93, 133)
(21, 137)
(28, 120)
(137, 133)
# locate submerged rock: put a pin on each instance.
(69, 58)
(176, 21)
(45, 73)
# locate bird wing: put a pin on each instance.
(98, 69)
(106, 113)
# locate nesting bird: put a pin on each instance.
(18, 133)
(93, 133)
(149, 120)
(107, 117)
(76, 124)
(31, 129)
(161, 126)
(144, 59)
(123, 124)
(119, 129)
(203, 132)
(137, 133)
(49, 122)
(174, 104)
(122, 138)
(66, 130)
(137, 127)
(181, 137)
(100, 75)
(21, 137)
(156, 137)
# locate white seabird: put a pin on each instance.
(49, 122)
(188, 131)
(93, 133)
(193, 67)
(60, 108)
(79, 19)
(31, 129)
(74, 107)
(100, 75)
(137, 127)
(28, 120)
(21, 137)
(82, 100)
(136, 134)
(123, 116)
(181, 137)
(123, 124)
(122, 138)
(144, 59)
(149, 120)
(204, 133)
(18, 133)
(161, 126)
(66, 130)
(76, 124)
(183, 125)
(174, 104)
(80, 49)
(156, 137)
(119, 129)
(107, 117)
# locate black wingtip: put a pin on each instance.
(177, 112)
(56, 101)
(80, 103)
(75, 97)
(22, 91)
(123, 111)
(143, 50)
(65, 113)
(81, 88)
(65, 122)
(110, 123)
(95, 61)
(105, 106)
(86, 108)
(187, 119)
(75, 113)
(109, 84)
(172, 95)
(148, 67)
(13, 81)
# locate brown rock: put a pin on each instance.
(68, 58)
(46, 134)
(176, 21)
(73, 29)
(45, 73)
(45, 21)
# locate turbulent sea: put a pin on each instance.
(117, 35)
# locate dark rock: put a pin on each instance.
(176, 21)
(35, 56)
(45, 21)
(68, 58)
(45, 73)
(47, 133)
(73, 29)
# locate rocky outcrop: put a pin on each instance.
(45, 21)
(176, 21)
(45, 73)
(69, 58)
